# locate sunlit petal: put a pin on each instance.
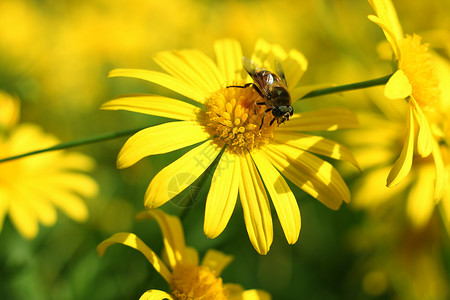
(255, 204)
(398, 86)
(175, 84)
(420, 203)
(154, 105)
(316, 144)
(131, 240)
(424, 136)
(390, 35)
(229, 54)
(322, 119)
(173, 236)
(180, 174)
(222, 195)
(282, 197)
(159, 139)
(403, 164)
(310, 173)
(156, 295)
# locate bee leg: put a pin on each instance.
(271, 122)
(240, 86)
(262, 121)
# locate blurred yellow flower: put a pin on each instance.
(32, 188)
(227, 125)
(180, 264)
(415, 80)
(380, 138)
(10, 111)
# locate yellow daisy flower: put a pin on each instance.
(32, 188)
(414, 80)
(180, 268)
(226, 123)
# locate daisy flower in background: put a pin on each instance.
(414, 80)
(32, 188)
(180, 268)
(380, 137)
(225, 126)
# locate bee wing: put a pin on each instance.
(252, 69)
(279, 70)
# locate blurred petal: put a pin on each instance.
(216, 261)
(441, 172)
(71, 204)
(155, 105)
(191, 256)
(295, 65)
(398, 86)
(24, 219)
(180, 174)
(173, 235)
(389, 34)
(192, 67)
(131, 240)
(165, 80)
(310, 173)
(158, 139)
(420, 203)
(229, 54)
(257, 215)
(322, 119)
(282, 197)
(222, 195)
(424, 137)
(316, 144)
(156, 295)
(385, 11)
(403, 163)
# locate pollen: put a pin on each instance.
(235, 119)
(416, 63)
(191, 282)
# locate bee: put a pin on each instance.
(272, 88)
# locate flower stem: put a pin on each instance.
(85, 141)
(348, 87)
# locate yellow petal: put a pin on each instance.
(295, 65)
(257, 215)
(222, 195)
(216, 261)
(131, 240)
(180, 174)
(389, 34)
(441, 172)
(85, 185)
(173, 235)
(5, 198)
(282, 197)
(175, 84)
(154, 105)
(420, 203)
(156, 295)
(322, 119)
(316, 144)
(193, 67)
(191, 256)
(158, 139)
(424, 137)
(398, 86)
(404, 161)
(24, 219)
(229, 54)
(385, 11)
(71, 204)
(253, 295)
(310, 173)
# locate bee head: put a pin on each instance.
(282, 112)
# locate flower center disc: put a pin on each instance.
(234, 118)
(416, 62)
(190, 282)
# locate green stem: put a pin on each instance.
(348, 87)
(85, 141)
